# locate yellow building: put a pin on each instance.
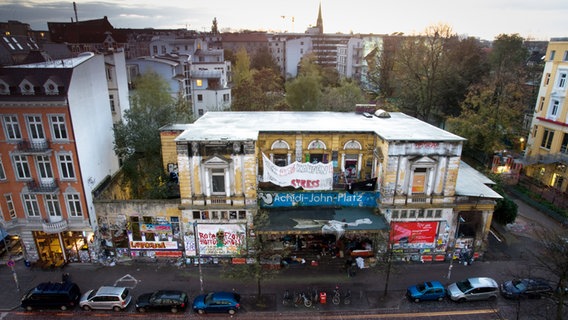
(546, 155)
(348, 182)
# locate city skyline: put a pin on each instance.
(483, 19)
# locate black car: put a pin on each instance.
(525, 288)
(162, 300)
(61, 295)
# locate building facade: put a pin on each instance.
(546, 154)
(56, 146)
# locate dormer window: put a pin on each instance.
(50, 88)
(4, 88)
(26, 88)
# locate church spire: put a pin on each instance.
(319, 23)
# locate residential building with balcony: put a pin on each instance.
(546, 153)
(56, 146)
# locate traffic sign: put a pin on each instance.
(11, 263)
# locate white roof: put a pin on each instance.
(473, 183)
(247, 125)
(59, 63)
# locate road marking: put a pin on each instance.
(496, 237)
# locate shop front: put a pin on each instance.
(214, 243)
(154, 237)
(57, 249)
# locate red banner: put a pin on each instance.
(414, 232)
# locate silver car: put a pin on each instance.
(480, 288)
(109, 298)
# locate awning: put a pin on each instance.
(304, 220)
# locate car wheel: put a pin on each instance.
(416, 300)
(63, 308)
(116, 308)
(232, 312)
(441, 299)
(201, 311)
(87, 308)
(492, 298)
(174, 310)
(460, 300)
(29, 308)
(141, 310)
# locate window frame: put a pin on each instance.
(10, 205)
(73, 205)
(31, 205)
(35, 126)
(66, 166)
(44, 168)
(52, 205)
(547, 138)
(12, 128)
(58, 126)
(22, 169)
(2, 171)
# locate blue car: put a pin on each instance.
(427, 291)
(216, 302)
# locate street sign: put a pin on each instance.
(11, 263)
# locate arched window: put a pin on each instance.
(280, 153)
(351, 164)
(318, 154)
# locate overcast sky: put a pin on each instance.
(531, 19)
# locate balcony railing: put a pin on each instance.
(547, 158)
(38, 146)
(55, 227)
(43, 186)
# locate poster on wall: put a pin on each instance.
(417, 235)
(308, 176)
(221, 239)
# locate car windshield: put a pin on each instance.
(464, 285)
(519, 285)
(124, 294)
(92, 294)
(208, 297)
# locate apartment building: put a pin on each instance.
(546, 154)
(56, 147)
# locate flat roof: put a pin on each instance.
(59, 63)
(229, 125)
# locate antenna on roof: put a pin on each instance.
(75, 10)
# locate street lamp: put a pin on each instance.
(456, 235)
(198, 253)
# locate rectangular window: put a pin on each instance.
(438, 214)
(196, 215)
(547, 79)
(280, 160)
(12, 128)
(198, 82)
(2, 172)
(419, 180)
(31, 205)
(44, 167)
(564, 146)
(420, 213)
(429, 213)
(218, 181)
(554, 107)
(73, 205)
(163, 49)
(22, 167)
(58, 127)
(562, 80)
(226, 97)
(111, 99)
(403, 214)
(200, 98)
(52, 205)
(547, 138)
(565, 55)
(552, 54)
(395, 214)
(35, 127)
(541, 105)
(10, 205)
(109, 74)
(66, 166)
(155, 50)
(412, 214)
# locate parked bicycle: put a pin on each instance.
(287, 299)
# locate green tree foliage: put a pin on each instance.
(342, 98)
(492, 113)
(255, 89)
(264, 59)
(304, 93)
(137, 138)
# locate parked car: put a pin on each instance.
(163, 300)
(110, 298)
(60, 295)
(217, 302)
(479, 288)
(525, 288)
(426, 291)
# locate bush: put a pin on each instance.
(505, 211)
